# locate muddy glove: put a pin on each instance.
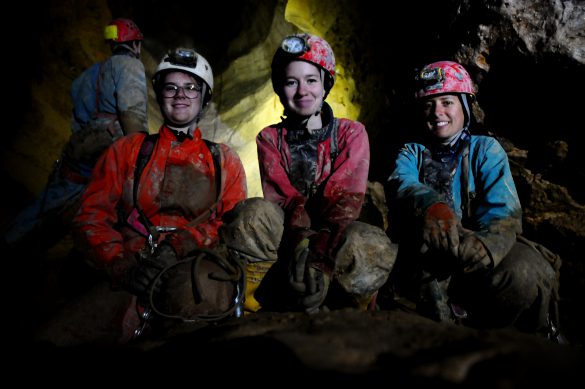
(298, 267)
(165, 254)
(440, 229)
(141, 277)
(473, 254)
(317, 283)
(310, 283)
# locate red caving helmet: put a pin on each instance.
(122, 30)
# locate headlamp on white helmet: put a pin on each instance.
(189, 61)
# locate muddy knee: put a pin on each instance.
(364, 260)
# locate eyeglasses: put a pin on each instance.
(183, 57)
(295, 45)
(191, 91)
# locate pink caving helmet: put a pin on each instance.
(304, 47)
(443, 77)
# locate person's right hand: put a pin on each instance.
(473, 254)
(440, 229)
(139, 279)
(298, 266)
(310, 283)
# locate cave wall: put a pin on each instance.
(515, 50)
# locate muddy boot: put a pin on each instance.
(433, 300)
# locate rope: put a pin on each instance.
(235, 274)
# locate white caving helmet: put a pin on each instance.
(186, 60)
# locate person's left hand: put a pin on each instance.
(473, 254)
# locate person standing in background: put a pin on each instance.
(109, 101)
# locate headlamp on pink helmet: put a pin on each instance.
(443, 77)
(303, 47)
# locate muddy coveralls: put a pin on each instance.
(314, 186)
(473, 177)
(177, 186)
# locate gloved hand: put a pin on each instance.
(165, 254)
(317, 283)
(298, 266)
(140, 277)
(473, 254)
(308, 281)
(440, 229)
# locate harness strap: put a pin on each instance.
(465, 198)
(98, 88)
(146, 150)
(333, 147)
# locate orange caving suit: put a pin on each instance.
(176, 186)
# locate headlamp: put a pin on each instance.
(432, 76)
(183, 57)
(295, 45)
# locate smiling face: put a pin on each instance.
(180, 110)
(303, 90)
(444, 115)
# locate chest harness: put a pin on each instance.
(303, 145)
(144, 155)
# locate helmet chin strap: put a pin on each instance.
(187, 129)
(303, 121)
(467, 112)
(466, 109)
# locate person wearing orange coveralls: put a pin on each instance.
(177, 208)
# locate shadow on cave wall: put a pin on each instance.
(209, 26)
